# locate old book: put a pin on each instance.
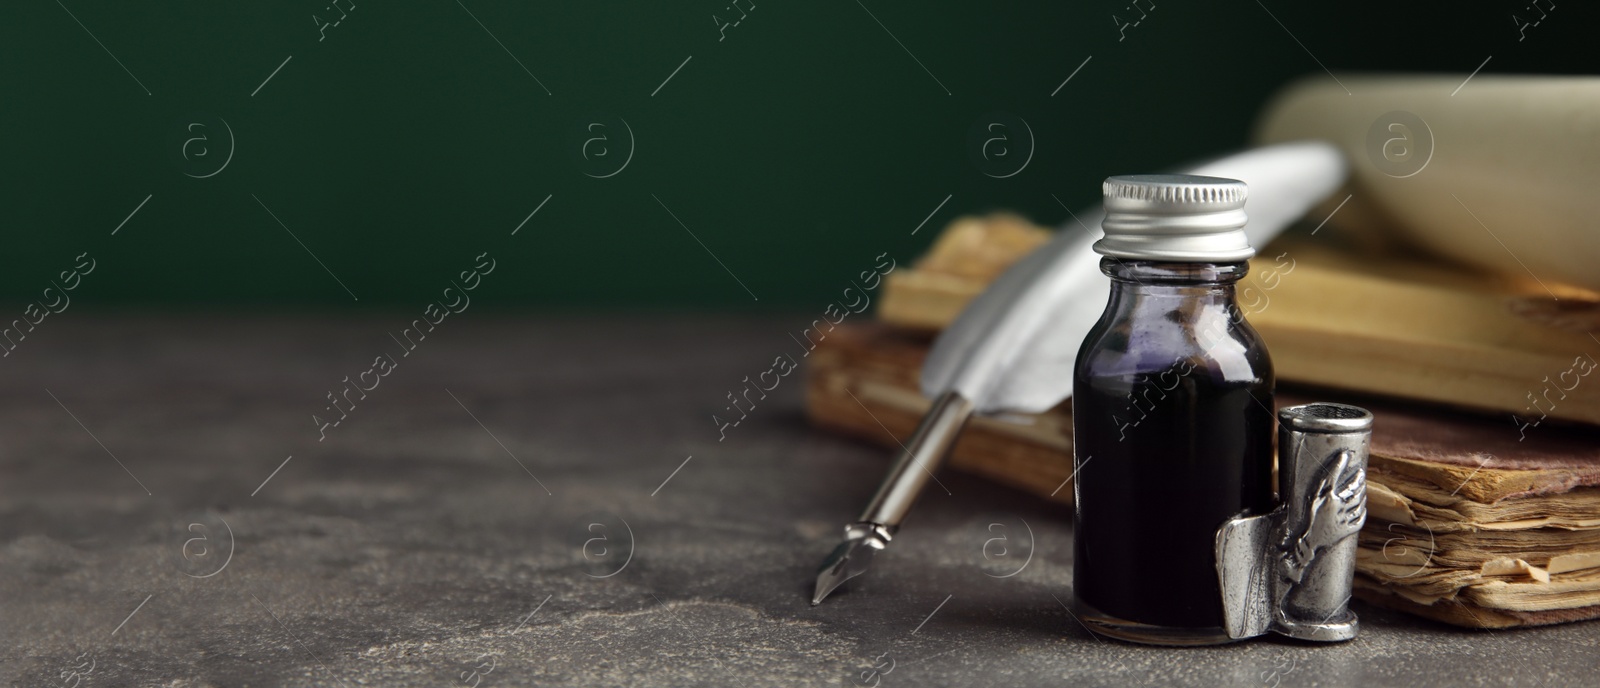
(1468, 524)
(1388, 325)
(969, 254)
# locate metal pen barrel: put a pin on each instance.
(919, 457)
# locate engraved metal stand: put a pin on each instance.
(1290, 571)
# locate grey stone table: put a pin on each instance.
(514, 503)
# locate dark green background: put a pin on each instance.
(798, 149)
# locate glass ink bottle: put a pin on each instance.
(1172, 412)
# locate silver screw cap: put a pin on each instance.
(1175, 217)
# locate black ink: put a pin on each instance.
(1173, 427)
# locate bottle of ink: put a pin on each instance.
(1172, 412)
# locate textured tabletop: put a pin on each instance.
(536, 501)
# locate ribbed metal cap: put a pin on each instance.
(1175, 217)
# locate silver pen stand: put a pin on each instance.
(1290, 571)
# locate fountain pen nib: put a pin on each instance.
(851, 558)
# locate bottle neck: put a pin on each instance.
(1177, 292)
(1157, 275)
